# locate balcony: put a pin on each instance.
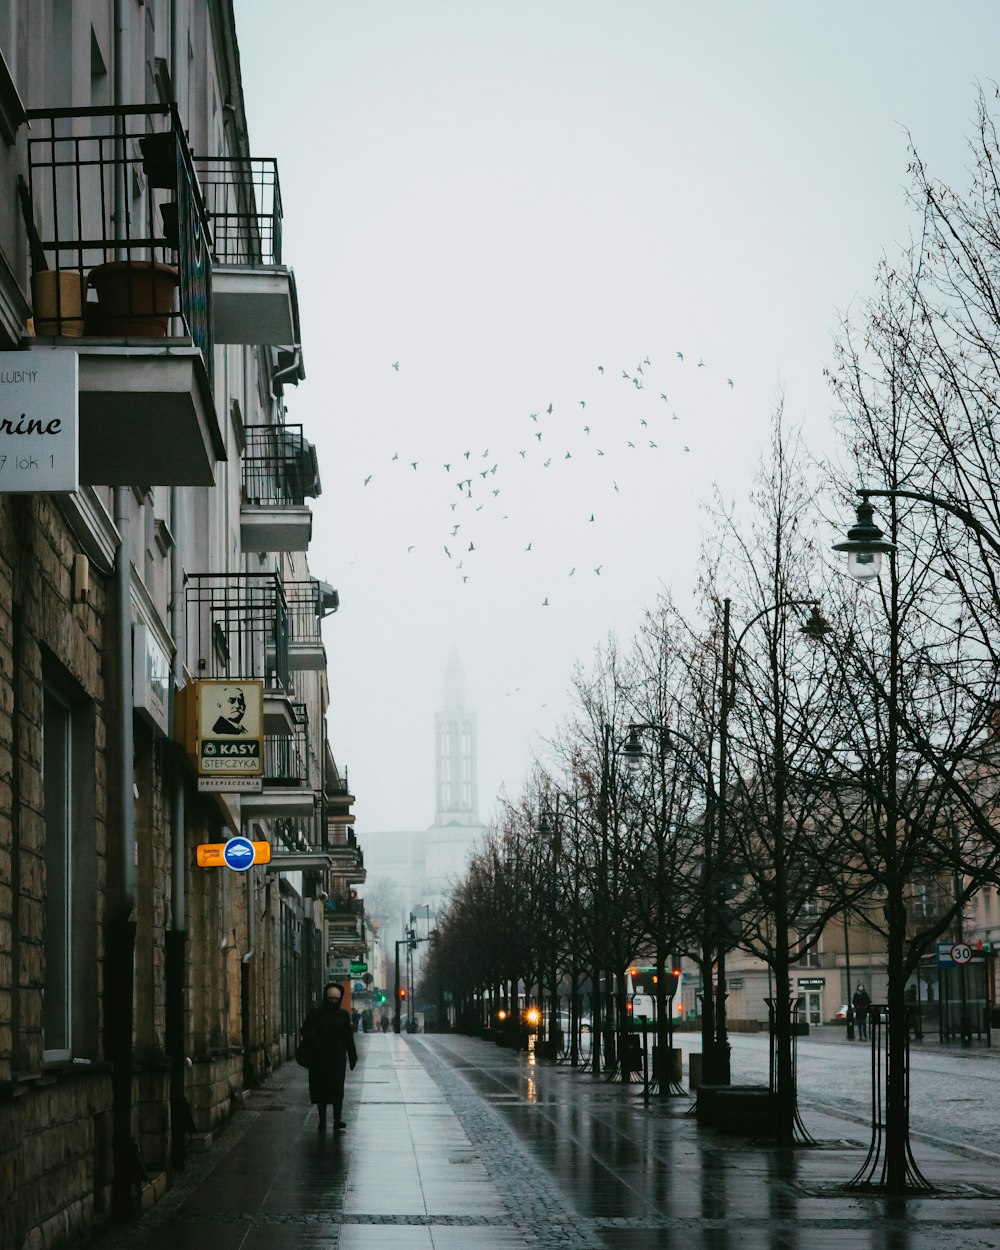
(287, 793)
(254, 297)
(237, 628)
(348, 860)
(280, 472)
(122, 275)
(307, 605)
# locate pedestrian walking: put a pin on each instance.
(327, 1031)
(862, 1008)
(384, 1023)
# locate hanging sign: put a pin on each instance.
(222, 726)
(39, 422)
(238, 853)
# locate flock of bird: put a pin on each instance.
(549, 440)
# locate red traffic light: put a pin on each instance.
(402, 993)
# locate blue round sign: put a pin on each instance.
(239, 853)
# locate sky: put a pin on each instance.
(572, 254)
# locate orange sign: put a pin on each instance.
(212, 854)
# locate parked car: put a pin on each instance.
(839, 1016)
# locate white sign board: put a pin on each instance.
(150, 678)
(39, 422)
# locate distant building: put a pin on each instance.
(424, 864)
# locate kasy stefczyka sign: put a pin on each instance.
(221, 724)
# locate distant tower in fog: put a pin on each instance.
(456, 793)
(456, 830)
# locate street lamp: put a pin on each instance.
(865, 544)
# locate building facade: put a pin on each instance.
(154, 532)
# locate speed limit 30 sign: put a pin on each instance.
(961, 953)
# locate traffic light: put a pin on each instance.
(402, 993)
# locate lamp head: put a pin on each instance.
(865, 545)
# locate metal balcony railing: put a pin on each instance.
(237, 627)
(243, 203)
(279, 466)
(112, 206)
(286, 756)
(304, 611)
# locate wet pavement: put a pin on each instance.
(455, 1144)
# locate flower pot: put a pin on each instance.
(59, 297)
(134, 298)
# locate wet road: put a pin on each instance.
(454, 1144)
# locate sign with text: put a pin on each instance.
(39, 422)
(233, 854)
(221, 724)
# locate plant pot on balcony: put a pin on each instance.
(135, 299)
(59, 297)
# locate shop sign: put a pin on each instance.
(222, 726)
(39, 422)
(150, 678)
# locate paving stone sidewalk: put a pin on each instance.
(454, 1144)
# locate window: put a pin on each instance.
(69, 1018)
(812, 958)
(57, 774)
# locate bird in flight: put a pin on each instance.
(598, 569)
(664, 398)
(447, 468)
(455, 528)
(642, 421)
(409, 549)
(547, 463)
(413, 465)
(599, 452)
(472, 546)
(586, 429)
(615, 484)
(545, 602)
(368, 478)
(686, 447)
(652, 444)
(533, 416)
(680, 355)
(600, 368)
(395, 365)
(447, 553)
(465, 577)
(567, 456)
(528, 548)
(522, 454)
(583, 403)
(395, 455)
(729, 382)
(701, 363)
(631, 444)
(486, 453)
(549, 410)
(591, 516)
(539, 436)
(626, 376)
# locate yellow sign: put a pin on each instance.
(213, 854)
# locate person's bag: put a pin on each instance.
(305, 1053)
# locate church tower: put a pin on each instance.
(456, 797)
(456, 830)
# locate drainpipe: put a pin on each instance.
(250, 1079)
(129, 1173)
(175, 939)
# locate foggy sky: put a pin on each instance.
(502, 197)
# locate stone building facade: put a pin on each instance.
(142, 994)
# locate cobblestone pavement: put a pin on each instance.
(455, 1144)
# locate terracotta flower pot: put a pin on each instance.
(59, 298)
(134, 298)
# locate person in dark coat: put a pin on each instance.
(862, 1008)
(328, 1028)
